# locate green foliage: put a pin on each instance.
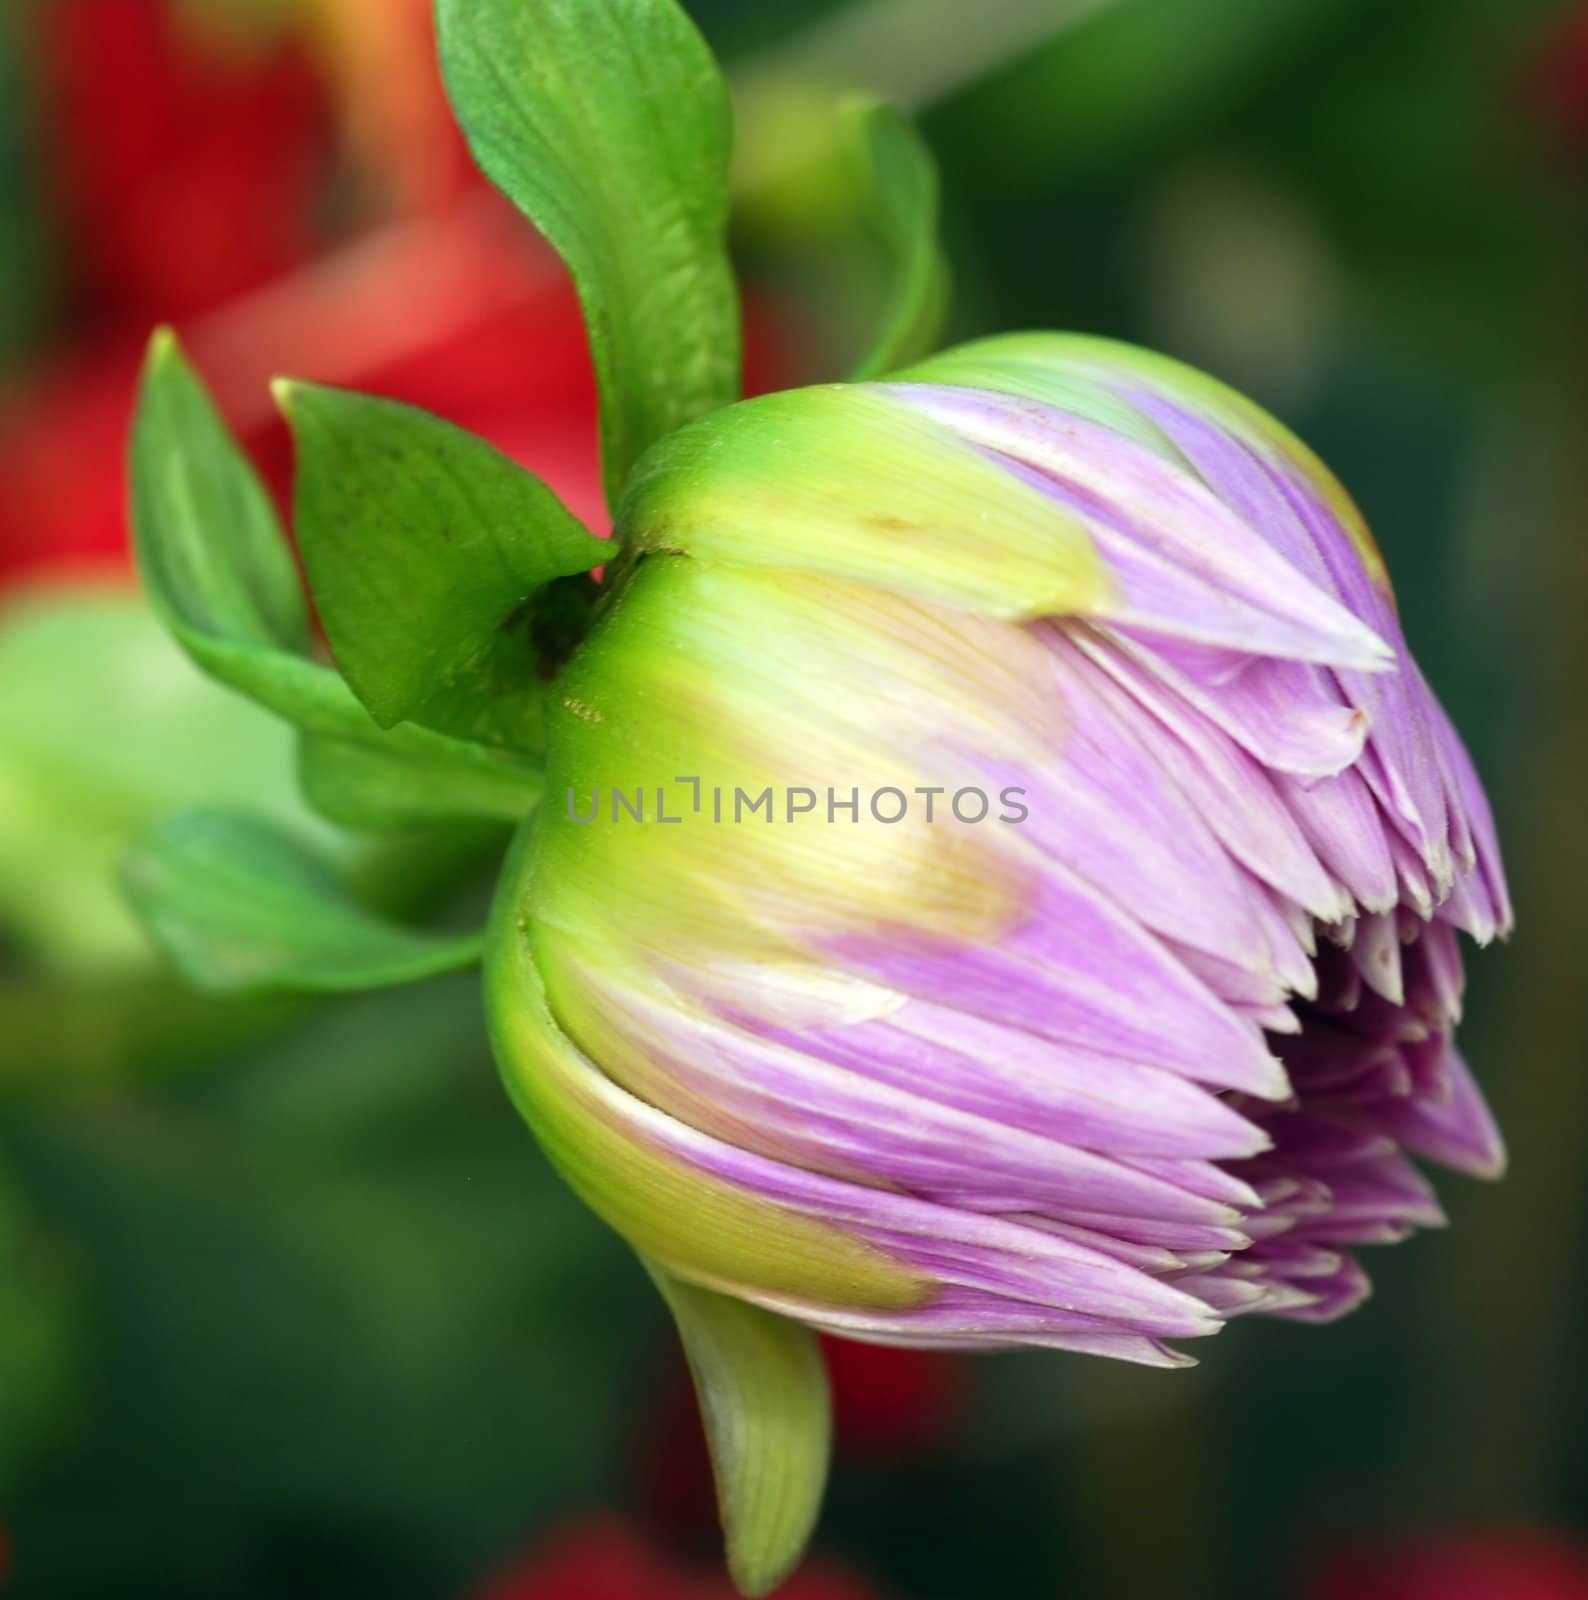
(903, 188)
(363, 786)
(78, 788)
(222, 576)
(762, 1386)
(607, 123)
(342, 1332)
(39, 1334)
(428, 553)
(1129, 74)
(239, 906)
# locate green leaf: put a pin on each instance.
(762, 1386)
(608, 124)
(222, 577)
(238, 906)
(428, 551)
(902, 180)
(365, 786)
(90, 664)
(209, 546)
(352, 1191)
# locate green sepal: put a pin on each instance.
(607, 122)
(239, 906)
(902, 185)
(846, 481)
(221, 574)
(428, 553)
(762, 1385)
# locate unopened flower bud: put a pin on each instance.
(1002, 868)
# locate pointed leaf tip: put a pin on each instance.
(762, 1385)
(220, 572)
(210, 550)
(429, 552)
(163, 344)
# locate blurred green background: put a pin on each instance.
(289, 1303)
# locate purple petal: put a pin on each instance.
(1003, 1072)
(1187, 565)
(1460, 1134)
(1080, 973)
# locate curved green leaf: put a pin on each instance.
(902, 180)
(221, 574)
(762, 1386)
(209, 547)
(363, 786)
(608, 124)
(239, 906)
(428, 552)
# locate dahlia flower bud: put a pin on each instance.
(1002, 869)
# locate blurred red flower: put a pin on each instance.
(1465, 1566)
(189, 172)
(893, 1402)
(607, 1561)
(194, 173)
(185, 171)
(463, 313)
